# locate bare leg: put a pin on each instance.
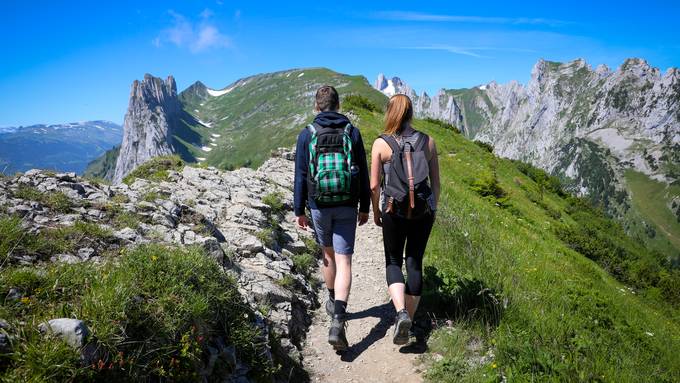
(343, 280)
(397, 294)
(328, 269)
(411, 304)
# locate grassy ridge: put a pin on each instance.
(550, 313)
(262, 113)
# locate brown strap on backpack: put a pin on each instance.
(411, 185)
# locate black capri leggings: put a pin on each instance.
(413, 234)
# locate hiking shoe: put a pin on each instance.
(402, 325)
(336, 334)
(330, 307)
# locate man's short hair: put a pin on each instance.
(327, 99)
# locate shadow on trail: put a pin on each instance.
(385, 313)
(445, 299)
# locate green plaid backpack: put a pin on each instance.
(333, 177)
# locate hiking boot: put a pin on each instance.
(402, 325)
(336, 334)
(330, 307)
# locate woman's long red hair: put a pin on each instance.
(399, 112)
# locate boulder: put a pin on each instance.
(73, 331)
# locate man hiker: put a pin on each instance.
(331, 178)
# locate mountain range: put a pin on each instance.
(612, 135)
(62, 147)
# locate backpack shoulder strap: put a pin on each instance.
(312, 128)
(392, 142)
(421, 142)
(348, 129)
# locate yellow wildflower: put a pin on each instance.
(494, 365)
(25, 300)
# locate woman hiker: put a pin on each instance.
(405, 173)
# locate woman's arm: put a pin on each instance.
(376, 173)
(434, 171)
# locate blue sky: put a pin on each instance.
(69, 61)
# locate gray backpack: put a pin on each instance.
(406, 187)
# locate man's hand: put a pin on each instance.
(377, 219)
(302, 222)
(362, 218)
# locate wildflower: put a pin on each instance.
(154, 258)
(494, 365)
(25, 300)
(200, 338)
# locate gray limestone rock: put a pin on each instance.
(73, 331)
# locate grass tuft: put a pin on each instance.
(156, 169)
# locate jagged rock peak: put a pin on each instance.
(153, 89)
(392, 86)
(148, 125)
(380, 82)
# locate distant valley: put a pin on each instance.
(62, 147)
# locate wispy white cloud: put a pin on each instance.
(430, 17)
(467, 51)
(197, 36)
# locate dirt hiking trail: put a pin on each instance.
(371, 357)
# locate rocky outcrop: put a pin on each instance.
(223, 212)
(152, 114)
(442, 106)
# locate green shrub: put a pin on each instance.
(287, 282)
(156, 169)
(126, 219)
(443, 124)
(312, 246)
(266, 236)
(120, 198)
(304, 263)
(484, 145)
(275, 201)
(357, 101)
(487, 186)
(14, 239)
(55, 200)
(151, 196)
(542, 179)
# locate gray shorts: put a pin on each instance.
(336, 227)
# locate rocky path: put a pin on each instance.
(371, 357)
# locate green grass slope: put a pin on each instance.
(104, 165)
(534, 277)
(652, 199)
(260, 113)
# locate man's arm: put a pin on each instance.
(301, 169)
(364, 186)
